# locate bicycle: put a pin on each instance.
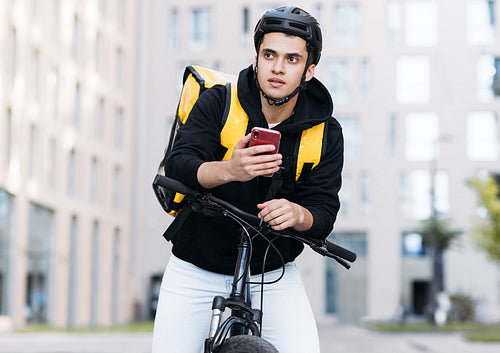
(241, 331)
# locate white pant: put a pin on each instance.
(185, 306)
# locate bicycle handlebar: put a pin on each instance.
(321, 246)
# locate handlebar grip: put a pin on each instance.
(172, 184)
(340, 251)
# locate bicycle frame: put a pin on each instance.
(243, 317)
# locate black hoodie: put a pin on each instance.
(212, 243)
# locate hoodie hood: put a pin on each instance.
(314, 104)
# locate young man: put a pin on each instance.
(278, 91)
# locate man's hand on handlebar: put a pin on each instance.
(282, 214)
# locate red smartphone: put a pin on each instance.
(262, 136)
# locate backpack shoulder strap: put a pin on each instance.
(197, 79)
(235, 125)
(310, 150)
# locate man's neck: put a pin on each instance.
(277, 114)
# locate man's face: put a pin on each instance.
(282, 60)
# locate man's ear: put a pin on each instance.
(310, 72)
(254, 65)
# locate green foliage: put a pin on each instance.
(463, 308)
(487, 232)
(445, 236)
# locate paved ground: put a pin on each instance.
(334, 339)
(348, 339)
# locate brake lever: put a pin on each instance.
(339, 260)
(323, 251)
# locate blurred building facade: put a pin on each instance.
(415, 86)
(88, 90)
(66, 109)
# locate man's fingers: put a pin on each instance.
(242, 143)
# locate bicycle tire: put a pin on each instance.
(247, 344)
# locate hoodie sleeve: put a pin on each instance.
(198, 140)
(319, 191)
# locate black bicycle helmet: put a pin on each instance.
(291, 20)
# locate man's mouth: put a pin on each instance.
(276, 82)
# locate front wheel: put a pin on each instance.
(247, 344)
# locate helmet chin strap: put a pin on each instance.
(278, 102)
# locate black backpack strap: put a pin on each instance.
(175, 226)
(276, 182)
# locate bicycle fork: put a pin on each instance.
(243, 317)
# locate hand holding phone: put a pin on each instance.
(263, 136)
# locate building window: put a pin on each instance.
(415, 193)
(413, 245)
(246, 24)
(53, 92)
(120, 68)
(318, 10)
(393, 136)
(97, 53)
(94, 181)
(119, 129)
(338, 79)
(488, 76)
(103, 7)
(352, 140)
(35, 73)
(394, 21)
(77, 107)
(174, 28)
(14, 55)
(52, 164)
(365, 78)
(115, 298)
(73, 273)
(346, 24)
(6, 236)
(421, 22)
(76, 38)
(346, 290)
(8, 137)
(412, 79)
(41, 233)
(117, 188)
(365, 190)
(34, 157)
(56, 12)
(345, 193)
(481, 22)
(421, 136)
(200, 28)
(35, 10)
(72, 173)
(122, 14)
(94, 294)
(483, 141)
(101, 120)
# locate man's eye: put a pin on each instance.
(268, 55)
(293, 59)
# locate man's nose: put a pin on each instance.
(279, 65)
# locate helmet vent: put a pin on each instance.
(273, 21)
(299, 26)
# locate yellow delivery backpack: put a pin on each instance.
(233, 127)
